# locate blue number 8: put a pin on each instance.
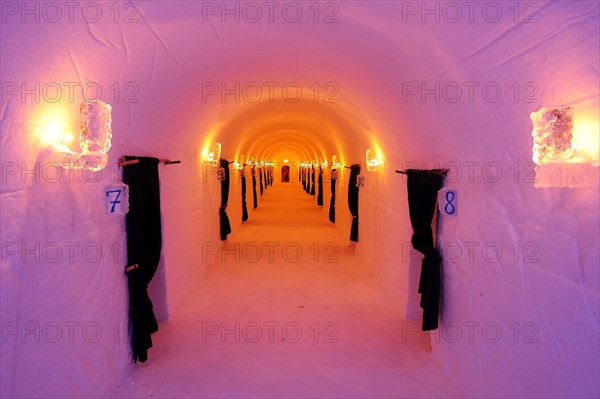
(449, 207)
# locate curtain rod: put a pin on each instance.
(442, 172)
(123, 162)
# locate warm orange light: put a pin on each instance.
(53, 128)
(211, 153)
(563, 136)
(586, 135)
(374, 159)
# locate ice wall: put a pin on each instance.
(431, 84)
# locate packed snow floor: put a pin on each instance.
(287, 311)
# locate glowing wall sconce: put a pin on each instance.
(552, 133)
(94, 137)
(95, 134)
(239, 165)
(334, 163)
(373, 160)
(565, 151)
(324, 165)
(213, 154)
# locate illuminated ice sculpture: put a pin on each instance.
(552, 134)
(373, 160)
(213, 154)
(95, 137)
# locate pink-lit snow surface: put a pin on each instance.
(290, 296)
(546, 283)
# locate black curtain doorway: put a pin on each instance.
(332, 201)
(244, 206)
(144, 243)
(260, 176)
(312, 182)
(320, 188)
(422, 188)
(224, 225)
(353, 201)
(254, 196)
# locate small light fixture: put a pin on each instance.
(95, 136)
(285, 161)
(239, 165)
(552, 134)
(565, 150)
(213, 154)
(334, 163)
(324, 165)
(373, 160)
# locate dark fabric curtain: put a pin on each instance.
(307, 189)
(144, 242)
(225, 227)
(312, 185)
(332, 201)
(244, 206)
(353, 201)
(422, 198)
(260, 176)
(320, 188)
(254, 196)
(304, 178)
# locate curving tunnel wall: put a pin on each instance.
(426, 85)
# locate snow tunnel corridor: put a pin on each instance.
(481, 118)
(305, 320)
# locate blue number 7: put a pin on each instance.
(116, 200)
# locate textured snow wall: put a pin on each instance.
(428, 84)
